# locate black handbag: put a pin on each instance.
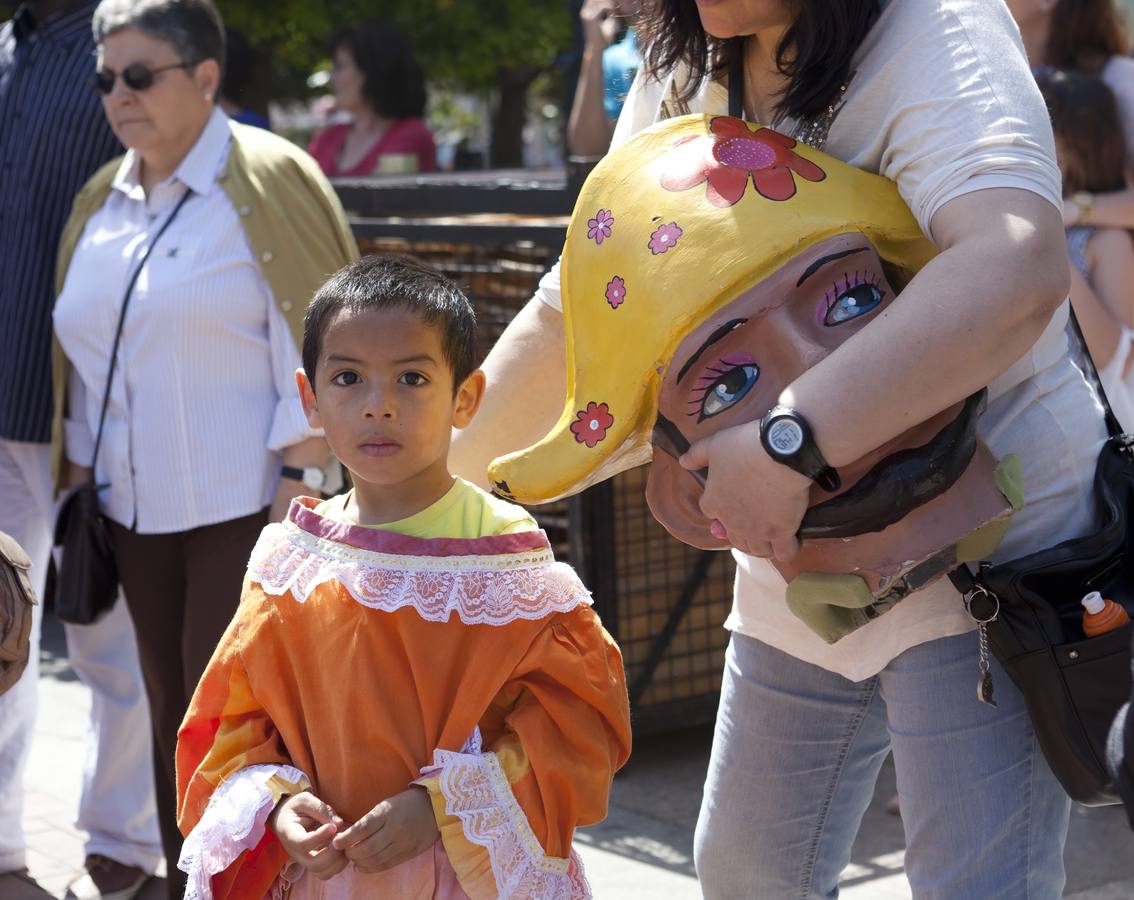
(1029, 612)
(87, 581)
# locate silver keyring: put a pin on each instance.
(972, 595)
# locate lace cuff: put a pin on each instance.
(234, 821)
(477, 792)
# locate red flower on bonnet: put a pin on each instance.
(591, 424)
(730, 156)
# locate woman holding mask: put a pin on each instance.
(212, 236)
(938, 97)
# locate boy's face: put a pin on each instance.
(384, 397)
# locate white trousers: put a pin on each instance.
(117, 808)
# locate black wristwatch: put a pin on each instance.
(787, 437)
(312, 477)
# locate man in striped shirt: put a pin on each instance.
(53, 136)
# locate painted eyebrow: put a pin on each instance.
(709, 341)
(823, 260)
(421, 357)
(336, 357)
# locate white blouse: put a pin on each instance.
(204, 397)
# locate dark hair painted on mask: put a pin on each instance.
(815, 53)
(395, 282)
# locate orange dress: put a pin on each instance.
(361, 661)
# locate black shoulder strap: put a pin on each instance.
(122, 319)
(1087, 365)
(736, 87)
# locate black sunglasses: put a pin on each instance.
(138, 76)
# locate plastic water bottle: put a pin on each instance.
(1101, 615)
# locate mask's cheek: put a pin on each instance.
(673, 495)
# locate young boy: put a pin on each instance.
(414, 699)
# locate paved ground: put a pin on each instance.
(643, 851)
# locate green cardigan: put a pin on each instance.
(290, 213)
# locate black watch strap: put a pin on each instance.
(788, 439)
(291, 472)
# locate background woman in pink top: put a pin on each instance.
(377, 80)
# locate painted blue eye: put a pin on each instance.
(852, 303)
(728, 389)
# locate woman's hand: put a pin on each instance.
(756, 502)
(305, 826)
(309, 453)
(77, 475)
(396, 830)
(600, 23)
(286, 491)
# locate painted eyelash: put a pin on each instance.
(860, 278)
(711, 374)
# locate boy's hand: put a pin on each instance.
(306, 826)
(397, 829)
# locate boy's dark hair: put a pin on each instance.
(1084, 117)
(395, 282)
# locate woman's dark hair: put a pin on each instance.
(1084, 116)
(395, 281)
(393, 82)
(1085, 34)
(815, 53)
(193, 27)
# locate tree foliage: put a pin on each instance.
(464, 44)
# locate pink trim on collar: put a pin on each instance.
(302, 514)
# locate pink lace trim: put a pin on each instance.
(477, 792)
(233, 822)
(482, 590)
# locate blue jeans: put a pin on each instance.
(797, 751)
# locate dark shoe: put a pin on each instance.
(19, 885)
(106, 879)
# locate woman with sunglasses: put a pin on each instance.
(194, 256)
(937, 96)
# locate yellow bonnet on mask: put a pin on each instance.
(668, 228)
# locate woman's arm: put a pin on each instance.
(961, 322)
(1099, 328)
(526, 392)
(1111, 210)
(589, 128)
(1110, 252)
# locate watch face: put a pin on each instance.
(785, 436)
(313, 477)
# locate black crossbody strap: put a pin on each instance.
(1091, 373)
(122, 319)
(736, 87)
